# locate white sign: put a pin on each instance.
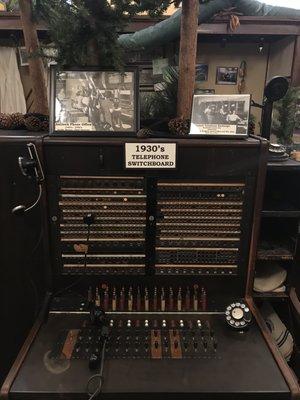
(150, 155)
(208, 129)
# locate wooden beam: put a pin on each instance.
(221, 28)
(187, 57)
(36, 66)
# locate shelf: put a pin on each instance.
(281, 213)
(274, 255)
(270, 295)
(276, 249)
(287, 165)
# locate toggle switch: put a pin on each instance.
(215, 344)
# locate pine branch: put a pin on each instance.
(86, 29)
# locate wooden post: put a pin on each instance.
(296, 64)
(187, 57)
(36, 66)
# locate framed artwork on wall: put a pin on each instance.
(201, 72)
(23, 56)
(146, 79)
(227, 75)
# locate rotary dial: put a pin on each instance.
(238, 315)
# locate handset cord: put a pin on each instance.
(84, 267)
(99, 375)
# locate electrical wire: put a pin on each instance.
(37, 200)
(98, 389)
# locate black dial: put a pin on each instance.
(238, 315)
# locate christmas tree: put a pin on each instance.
(85, 32)
(285, 115)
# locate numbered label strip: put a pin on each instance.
(150, 155)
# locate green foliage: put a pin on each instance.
(163, 103)
(167, 97)
(252, 119)
(12, 5)
(285, 116)
(85, 32)
(297, 116)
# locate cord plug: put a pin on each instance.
(89, 219)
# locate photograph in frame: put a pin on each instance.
(23, 56)
(146, 80)
(94, 102)
(220, 115)
(227, 75)
(201, 72)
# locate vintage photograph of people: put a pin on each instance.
(220, 114)
(100, 101)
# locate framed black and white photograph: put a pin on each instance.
(220, 115)
(92, 101)
(146, 78)
(201, 72)
(23, 56)
(227, 75)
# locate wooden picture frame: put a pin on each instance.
(227, 75)
(92, 101)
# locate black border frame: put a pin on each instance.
(227, 84)
(53, 71)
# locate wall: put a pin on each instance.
(281, 57)
(231, 56)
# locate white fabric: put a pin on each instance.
(279, 331)
(269, 277)
(12, 98)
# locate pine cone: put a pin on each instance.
(179, 126)
(5, 121)
(33, 123)
(17, 121)
(144, 132)
(37, 115)
(251, 128)
(45, 125)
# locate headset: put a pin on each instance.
(31, 167)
